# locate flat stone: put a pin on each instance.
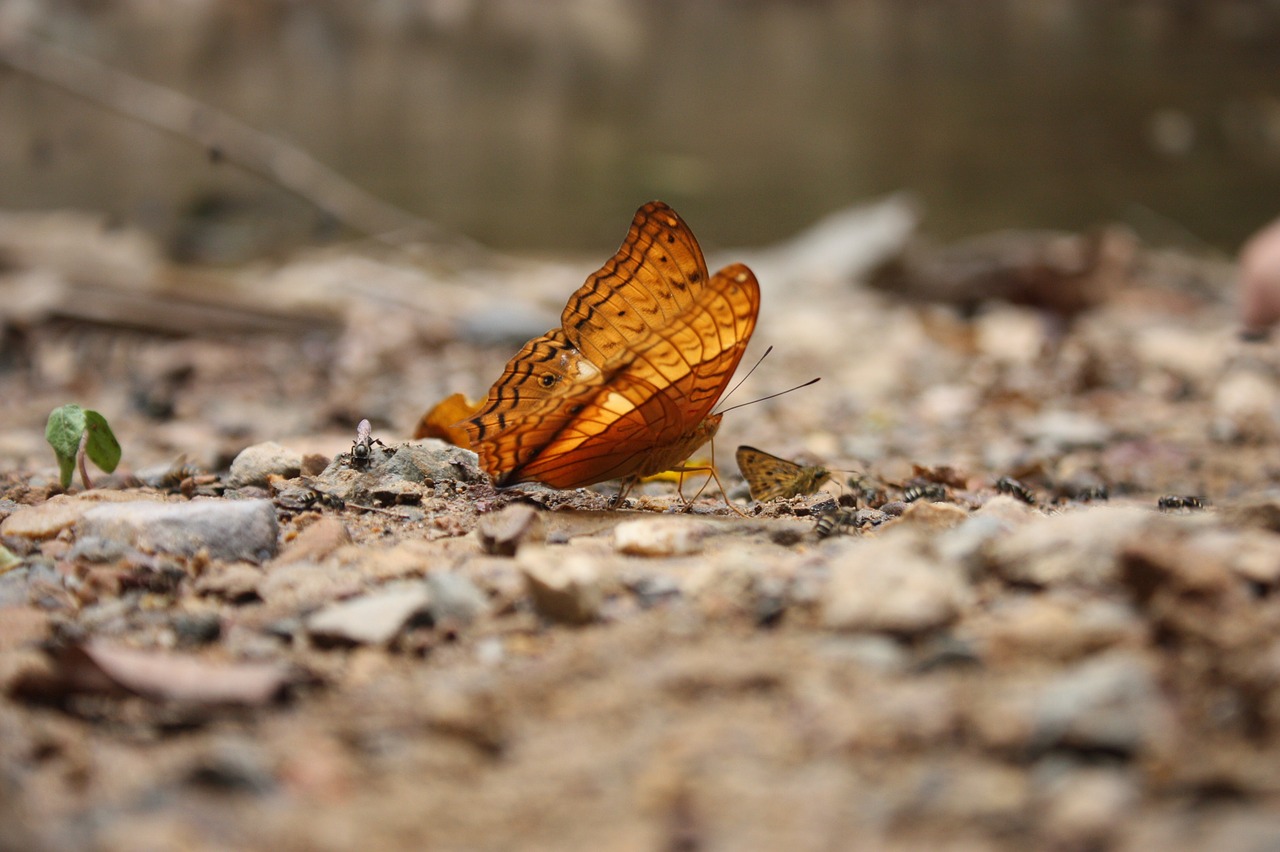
(227, 529)
(371, 619)
(59, 512)
(660, 536)
(315, 542)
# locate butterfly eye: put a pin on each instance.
(547, 380)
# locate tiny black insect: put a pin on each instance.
(931, 491)
(1170, 502)
(1014, 488)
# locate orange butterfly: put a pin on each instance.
(624, 388)
(769, 476)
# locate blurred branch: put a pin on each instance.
(222, 135)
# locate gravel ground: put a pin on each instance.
(278, 648)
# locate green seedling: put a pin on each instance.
(74, 433)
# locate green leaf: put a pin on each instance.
(7, 560)
(63, 431)
(102, 447)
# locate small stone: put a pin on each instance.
(227, 529)
(255, 464)
(1079, 547)
(315, 542)
(1260, 280)
(313, 464)
(1245, 405)
(455, 600)
(235, 581)
(1111, 702)
(1085, 808)
(371, 619)
(1063, 431)
(22, 626)
(565, 587)
(891, 585)
(502, 532)
(929, 516)
(660, 536)
(58, 513)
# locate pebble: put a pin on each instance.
(502, 532)
(1260, 279)
(1245, 407)
(234, 581)
(1063, 431)
(891, 585)
(566, 588)
(58, 513)
(255, 464)
(1111, 702)
(660, 536)
(1079, 547)
(317, 541)
(372, 619)
(455, 600)
(929, 516)
(227, 529)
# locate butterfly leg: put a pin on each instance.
(623, 490)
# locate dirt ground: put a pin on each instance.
(1064, 662)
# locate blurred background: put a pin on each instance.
(541, 126)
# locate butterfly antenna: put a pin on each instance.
(758, 362)
(770, 396)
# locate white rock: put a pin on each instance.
(565, 585)
(371, 619)
(660, 536)
(1078, 547)
(254, 464)
(891, 584)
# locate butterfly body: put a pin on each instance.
(624, 388)
(769, 476)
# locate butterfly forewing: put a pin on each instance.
(655, 276)
(666, 388)
(648, 345)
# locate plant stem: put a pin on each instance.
(84, 471)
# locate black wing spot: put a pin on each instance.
(576, 409)
(695, 277)
(547, 380)
(671, 238)
(622, 313)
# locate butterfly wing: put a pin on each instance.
(656, 275)
(648, 345)
(767, 475)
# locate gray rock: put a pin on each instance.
(1111, 702)
(256, 463)
(227, 529)
(455, 600)
(1079, 547)
(371, 619)
(891, 585)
